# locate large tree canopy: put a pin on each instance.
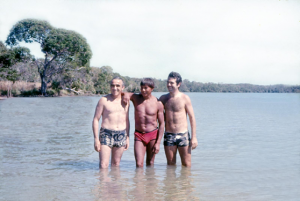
(67, 48)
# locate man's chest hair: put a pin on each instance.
(175, 104)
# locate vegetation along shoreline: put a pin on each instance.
(65, 70)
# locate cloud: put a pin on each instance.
(207, 41)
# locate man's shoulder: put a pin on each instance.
(105, 97)
(164, 97)
(184, 96)
(136, 95)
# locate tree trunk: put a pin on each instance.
(9, 88)
(43, 87)
(43, 84)
(7, 84)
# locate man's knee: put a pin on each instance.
(103, 165)
(150, 163)
(186, 164)
(139, 164)
(115, 163)
(171, 162)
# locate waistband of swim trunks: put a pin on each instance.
(145, 132)
(111, 131)
(176, 133)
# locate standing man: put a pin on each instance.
(147, 110)
(177, 137)
(114, 132)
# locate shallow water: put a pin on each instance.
(249, 146)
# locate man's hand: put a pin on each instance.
(194, 143)
(155, 148)
(97, 145)
(127, 144)
(125, 98)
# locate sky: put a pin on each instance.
(219, 41)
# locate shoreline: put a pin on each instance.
(98, 95)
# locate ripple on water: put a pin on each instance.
(248, 150)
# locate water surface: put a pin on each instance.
(249, 146)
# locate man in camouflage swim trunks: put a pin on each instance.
(177, 106)
(114, 132)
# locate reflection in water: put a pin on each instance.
(248, 150)
(178, 186)
(111, 185)
(145, 184)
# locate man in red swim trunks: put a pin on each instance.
(147, 111)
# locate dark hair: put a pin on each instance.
(175, 75)
(148, 81)
(118, 78)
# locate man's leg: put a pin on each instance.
(150, 154)
(185, 155)
(104, 156)
(170, 152)
(139, 153)
(116, 156)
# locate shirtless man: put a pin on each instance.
(147, 111)
(114, 132)
(177, 137)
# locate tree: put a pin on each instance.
(8, 58)
(102, 79)
(67, 48)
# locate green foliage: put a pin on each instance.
(51, 92)
(69, 46)
(29, 30)
(101, 79)
(8, 58)
(2, 47)
(64, 50)
(34, 92)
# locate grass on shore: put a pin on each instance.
(20, 88)
(27, 89)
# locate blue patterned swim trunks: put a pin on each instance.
(177, 139)
(112, 138)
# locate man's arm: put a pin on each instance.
(95, 125)
(127, 129)
(126, 97)
(161, 127)
(190, 112)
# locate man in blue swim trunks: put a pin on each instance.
(177, 137)
(114, 132)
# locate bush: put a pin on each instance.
(50, 92)
(4, 93)
(15, 92)
(34, 92)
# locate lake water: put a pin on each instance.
(249, 149)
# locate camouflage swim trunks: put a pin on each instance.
(112, 138)
(177, 139)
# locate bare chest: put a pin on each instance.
(174, 105)
(115, 107)
(146, 108)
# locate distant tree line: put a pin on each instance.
(95, 80)
(65, 68)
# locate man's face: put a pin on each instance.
(116, 87)
(172, 85)
(146, 91)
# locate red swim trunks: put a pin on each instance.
(145, 137)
